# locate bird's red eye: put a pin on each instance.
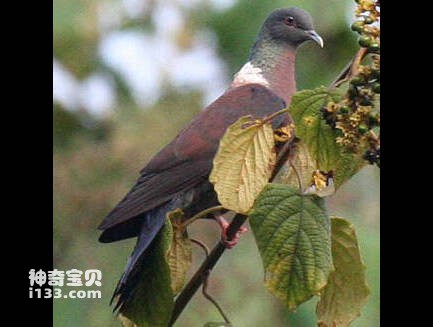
(289, 21)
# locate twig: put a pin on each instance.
(193, 285)
(283, 155)
(350, 70)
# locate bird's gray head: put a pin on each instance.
(292, 26)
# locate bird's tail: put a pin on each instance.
(152, 223)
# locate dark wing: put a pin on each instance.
(187, 160)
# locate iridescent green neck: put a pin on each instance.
(271, 64)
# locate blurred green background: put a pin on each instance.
(128, 75)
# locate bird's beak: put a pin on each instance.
(315, 37)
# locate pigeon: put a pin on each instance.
(177, 176)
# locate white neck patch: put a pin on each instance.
(250, 74)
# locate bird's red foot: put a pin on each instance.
(229, 244)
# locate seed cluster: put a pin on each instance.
(368, 16)
(355, 117)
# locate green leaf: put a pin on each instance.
(346, 166)
(180, 253)
(217, 324)
(152, 303)
(293, 236)
(346, 292)
(304, 165)
(243, 164)
(311, 128)
(319, 138)
(302, 172)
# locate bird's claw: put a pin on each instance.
(229, 244)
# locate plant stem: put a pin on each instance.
(201, 245)
(211, 299)
(201, 214)
(197, 280)
(210, 262)
(275, 114)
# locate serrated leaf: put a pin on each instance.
(243, 163)
(304, 165)
(293, 236)
(302, 169)
(180, 252)
(311, 128)
(152, 303)
(319, 138)
(346, 292)
(346, 166)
